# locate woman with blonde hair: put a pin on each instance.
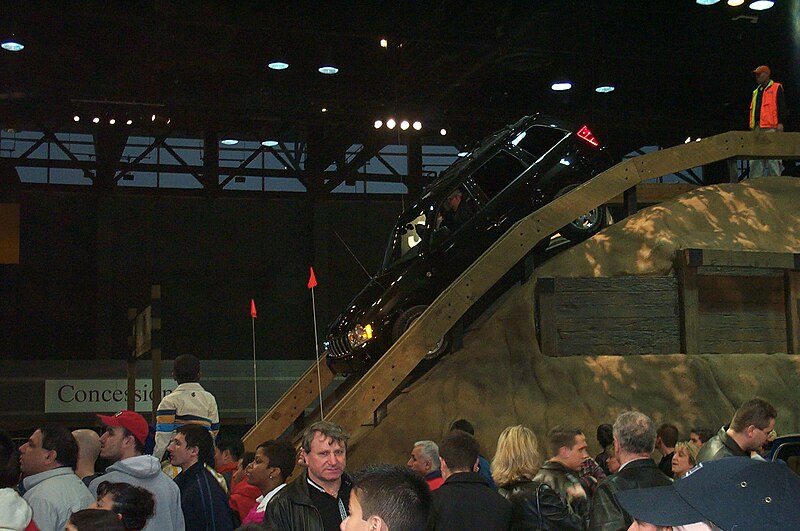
(684, 459)
(534, 505)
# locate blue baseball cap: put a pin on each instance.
(731, 493)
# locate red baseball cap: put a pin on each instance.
(130, 420)
(763, 69)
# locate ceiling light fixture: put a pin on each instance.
(12, 45)
(96, 120)
(153, 118)
(324, 109)
(229, 142)
(604, 89)
(384, 43)
(112, 121)
(404, 125)
(129, 122)
(269, 143)
(443, 131)
(76, 118)
(328, 70)
(707, 2)
(761, 5)
(378, 124)
(561, 86)
(417, 125)
(278, 65)
(390, 123)
(735, 3)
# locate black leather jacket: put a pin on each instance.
(606, 513)
(292, 509)
(720, 445)
(557, 477)
(536, 506)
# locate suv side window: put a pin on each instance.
(537, 140)
(497, 173)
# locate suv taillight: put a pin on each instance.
(587, 135)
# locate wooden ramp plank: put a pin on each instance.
(289, 407)
(354, 411)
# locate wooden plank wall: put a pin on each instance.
(741, 314)
(614, 316)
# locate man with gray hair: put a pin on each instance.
(424, 461)
(634, 441)
(318, 499)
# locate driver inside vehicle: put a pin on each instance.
(456, 211)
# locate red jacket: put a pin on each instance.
(243, 498)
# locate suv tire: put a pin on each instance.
(404, 321)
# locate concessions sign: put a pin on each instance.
(100, 396)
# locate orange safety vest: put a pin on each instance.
(768, 118)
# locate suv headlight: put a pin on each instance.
(359, 335)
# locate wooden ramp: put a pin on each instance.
(355, 410)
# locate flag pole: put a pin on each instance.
(253, 316)
(312, 282)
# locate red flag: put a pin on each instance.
(312, 280)
(253, 309)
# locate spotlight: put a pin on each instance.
(269, 143)
(561, 86)
(328, 70)
(604, 89)
(688, 139)
(384, 43)
(229, 142)
(112, 121)
(169, 120)
(153, 118)
(404, 125)
(278, 65)
(390, 123)
(707, 2)
(417, 125)
(378, 124)
(76, 118)
(129, 122)
(735, 3)
(96, 120)
(443, 131)
(324, 109)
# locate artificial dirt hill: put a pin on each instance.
(500, 377)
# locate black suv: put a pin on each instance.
(510, 174)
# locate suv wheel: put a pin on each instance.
(584, 226)
(404, 321)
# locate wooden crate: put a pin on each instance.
(615, 316)
(719, 302)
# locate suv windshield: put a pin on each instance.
(407, 236)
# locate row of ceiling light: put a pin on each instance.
(233, 142)
(757, 5)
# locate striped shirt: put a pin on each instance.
(189, 403)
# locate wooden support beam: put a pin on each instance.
(792, 294)
(689, 301)
(546, 309)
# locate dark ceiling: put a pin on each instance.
(680, 68)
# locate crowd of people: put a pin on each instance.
(708, 481)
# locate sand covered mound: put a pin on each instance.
(500, 377)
